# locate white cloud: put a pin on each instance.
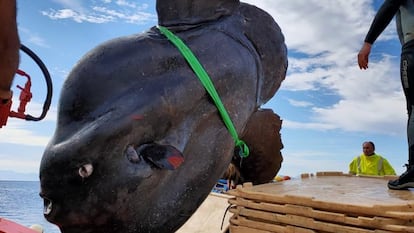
(37, 40)
(323, 38)
(293, 165)
(126, 3)
(374, 116)
(33, 38)
(76, 5)
(118, 11)
(36, 109)
(16, 134)
(307, 125)
(316, 26)
(299, 103)
(77, 16)
(24, 133)
(24, 166)
(137, 17)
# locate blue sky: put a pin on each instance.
(328, 106)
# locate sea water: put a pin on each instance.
(21, 203)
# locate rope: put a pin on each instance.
(208, 85)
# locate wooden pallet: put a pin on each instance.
(325, 202)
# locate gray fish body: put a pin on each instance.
(139, 90)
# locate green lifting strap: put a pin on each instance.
(208, 85)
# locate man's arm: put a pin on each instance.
(381, 20)
(9, 47)
(388, 169)
(353, 167)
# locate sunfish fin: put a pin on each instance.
(161, 156)
(262, 135)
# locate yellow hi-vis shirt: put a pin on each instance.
(373, 165)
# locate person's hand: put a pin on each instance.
(363, 56)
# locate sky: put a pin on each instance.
(329, 106)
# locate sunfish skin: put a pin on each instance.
(139, 143)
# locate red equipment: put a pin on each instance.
(26, 94)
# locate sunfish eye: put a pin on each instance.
(132, 154)
(85, 170)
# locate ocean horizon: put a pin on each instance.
(7, 175)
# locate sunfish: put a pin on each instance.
(139, 143)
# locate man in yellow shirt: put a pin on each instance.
(370, 163)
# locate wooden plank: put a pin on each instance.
(300, 221)
(330, 173)
(241, 221)
(269, 227)
(242, 229)
(367, 222)
(360, 196)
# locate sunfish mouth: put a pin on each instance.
(84, 172)
(47, 206)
